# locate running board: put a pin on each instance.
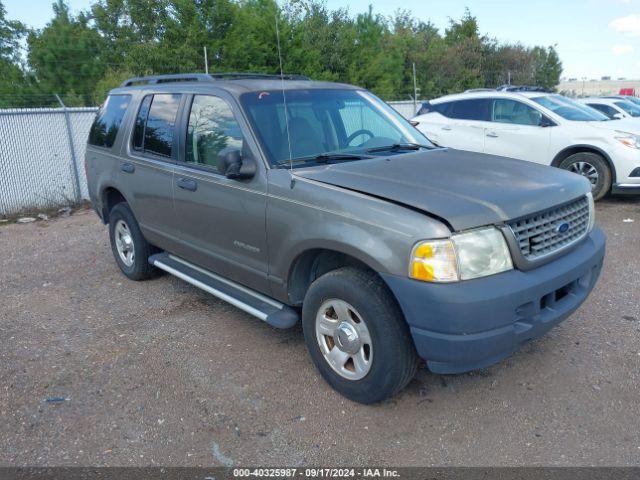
(246, 299)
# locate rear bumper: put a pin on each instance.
(472, 324)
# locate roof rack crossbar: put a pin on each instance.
(204, 77)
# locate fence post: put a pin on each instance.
(72, 148)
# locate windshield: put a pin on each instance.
(629, 107)
(569, 109)
(345, 124)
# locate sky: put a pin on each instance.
(594, 38)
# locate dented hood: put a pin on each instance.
(465, 189)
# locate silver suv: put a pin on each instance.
(297, 200)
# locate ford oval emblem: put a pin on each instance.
(562, 228)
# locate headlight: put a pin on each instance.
(473, 254)
(592, 212)
(628, 139)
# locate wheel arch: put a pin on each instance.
(568, 151)
(312, 263)
(110, 196)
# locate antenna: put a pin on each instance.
(284, 100)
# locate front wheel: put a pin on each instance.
(357, 336)
(594, 168)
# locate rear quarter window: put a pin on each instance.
(108, 120)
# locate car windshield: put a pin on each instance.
(327, 125)
(629, 107)
(569, 109)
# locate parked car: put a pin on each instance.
(628, 98)
(542, 128)
(330, 209)
(614, 108)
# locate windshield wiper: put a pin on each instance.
(325, 158)
(397, 147)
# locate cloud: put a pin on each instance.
(622, 49)
(629, 25)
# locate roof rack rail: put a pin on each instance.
(522, 88)
(475, 90)
(267, 76)
(204, 77)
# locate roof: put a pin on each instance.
(603, 100)
(237, 83)
(488, 94)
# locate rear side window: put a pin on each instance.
(155, 124)
(107, 123)
(473, 109)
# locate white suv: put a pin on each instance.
(539, 127)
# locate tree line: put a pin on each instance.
(82, 56)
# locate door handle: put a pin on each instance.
(187, 184)
(492, 134)
(446, 127)
(127, 168)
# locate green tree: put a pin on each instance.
(15, 85)
(66, 56)
(547, 66)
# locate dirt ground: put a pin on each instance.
(160, 373)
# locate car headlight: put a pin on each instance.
(464, 256)
(628, 139)
(592, 212)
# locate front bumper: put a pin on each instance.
(467, 325)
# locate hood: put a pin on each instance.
(465, 189)
(629, 125)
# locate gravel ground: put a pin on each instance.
(160, 373)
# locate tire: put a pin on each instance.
(374, 314)
(141, 250)
(588, 163)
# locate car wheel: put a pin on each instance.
(357, 336)
(129, 247)
(594, 168)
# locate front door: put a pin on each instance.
(221, 220)
(516, 131)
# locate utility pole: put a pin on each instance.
(206, 62)
(415, 90)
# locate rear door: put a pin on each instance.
(459, 124)
(516, 131)
(145, 171)
(221, 220)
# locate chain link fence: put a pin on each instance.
(41, 157)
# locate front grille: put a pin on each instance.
(541, 233)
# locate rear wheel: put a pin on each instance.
(128, 245)
(357, 336)
(594, 168)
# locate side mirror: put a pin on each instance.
(231, 164)
(618, 115)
